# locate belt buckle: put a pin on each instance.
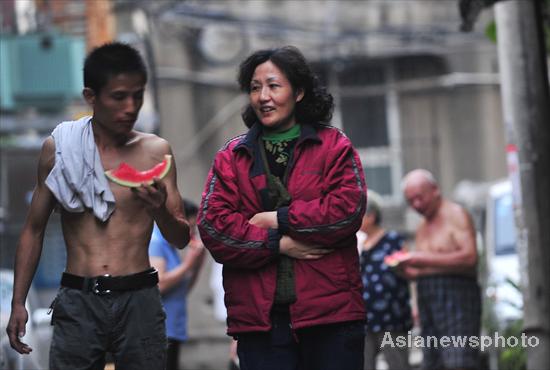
(96, 289)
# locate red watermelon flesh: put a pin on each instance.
(127, 175)
(395, 258)
(391, 261)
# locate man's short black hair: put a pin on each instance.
(109, 60)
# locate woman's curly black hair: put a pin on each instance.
(317, 104)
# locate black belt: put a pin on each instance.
(105, 284)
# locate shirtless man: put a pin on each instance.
(109, 299)
(444, 265)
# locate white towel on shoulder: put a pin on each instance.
(78, 179)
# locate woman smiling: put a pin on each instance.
(280, 210)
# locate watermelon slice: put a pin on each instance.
(395, 258)
(127, 175)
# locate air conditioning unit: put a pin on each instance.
(6, 90)
(41, 70)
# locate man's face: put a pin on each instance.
(421, 196)
(117, 104)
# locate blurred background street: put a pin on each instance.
(208, 346)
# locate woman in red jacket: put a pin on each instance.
(280, 210)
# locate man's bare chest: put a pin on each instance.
(436, 238)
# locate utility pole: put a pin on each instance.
(100, 23)
(526, 108)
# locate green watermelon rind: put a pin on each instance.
(110, 174)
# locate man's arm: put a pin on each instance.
(194, 260)
(412, 273)
(163, 202)
(457, 261)
(29, 247)
(460, 261)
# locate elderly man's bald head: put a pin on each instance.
(421, 192)
(419, 176)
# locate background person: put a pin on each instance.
(444, 266)
(280, 210)
(219, 310)
(386, 295)
(176, 279)
(109, 299)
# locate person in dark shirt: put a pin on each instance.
(386, 295)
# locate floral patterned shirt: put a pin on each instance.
(386, 295)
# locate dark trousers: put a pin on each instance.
(324, 347)
(173, 354)
(129, 324)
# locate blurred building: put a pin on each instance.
(411, 90)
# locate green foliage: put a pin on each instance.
(491, 28)
(491, 31)
(509, 358)
(513, 358)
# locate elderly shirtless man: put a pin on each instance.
(109, 299)
(444, 265)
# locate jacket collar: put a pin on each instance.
(249, 144)
(250, 141)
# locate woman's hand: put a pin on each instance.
(295, 249)
(265, 220)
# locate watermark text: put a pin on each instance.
(482, 342)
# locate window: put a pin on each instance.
(505, 227)
(379, 179)
(368, 95)
(369, 116)
(364, 120)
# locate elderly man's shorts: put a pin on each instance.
(449, 306)
(128, 324)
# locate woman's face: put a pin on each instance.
(272, 98)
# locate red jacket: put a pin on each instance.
(328, 191)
